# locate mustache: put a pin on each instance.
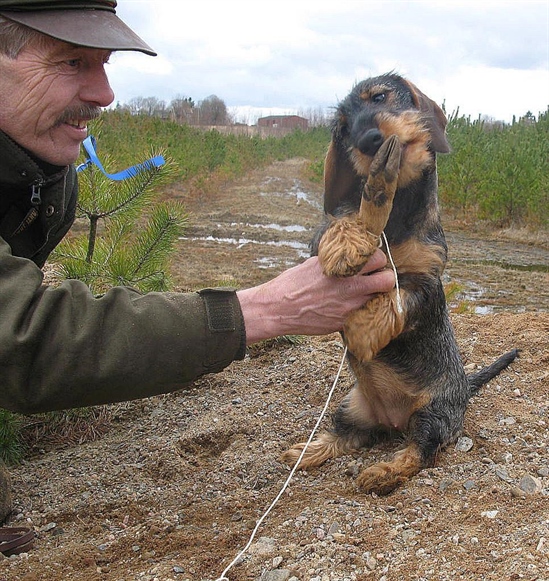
(81, 112)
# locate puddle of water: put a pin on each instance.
(477, 298)
(303, 249)
(505, 265)
(299, 194)
(291, 228)
(302, 196)
(470, 296)
(483, 310)
(305, 197)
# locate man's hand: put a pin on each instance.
(304, 301)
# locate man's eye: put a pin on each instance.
(73, 62)
(379, 98)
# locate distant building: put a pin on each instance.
(284, 122)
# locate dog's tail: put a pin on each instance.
(478, 379)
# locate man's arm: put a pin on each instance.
(61, 347)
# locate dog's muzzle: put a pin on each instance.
(370, 141)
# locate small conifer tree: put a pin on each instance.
(130, 235)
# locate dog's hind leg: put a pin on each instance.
(350, 240)
(430, 430)
(352, 429)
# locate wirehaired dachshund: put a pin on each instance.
(381, 189)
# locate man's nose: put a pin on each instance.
(96, 89)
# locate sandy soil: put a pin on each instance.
(174, 487)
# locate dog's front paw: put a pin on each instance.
(379, 479)
(369, 329)
(381, 186)
(346, 247)
(327, 445)
(383, 176)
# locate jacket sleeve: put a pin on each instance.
(61, 347)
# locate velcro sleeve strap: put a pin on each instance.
(224, 314)
(219, 310)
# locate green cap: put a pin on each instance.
(89, 23)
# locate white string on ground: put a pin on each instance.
(290, 476)
(400, 310)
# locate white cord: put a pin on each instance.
(320, 418)
(400, 310)
(292, 472)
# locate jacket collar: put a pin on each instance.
(18, 169)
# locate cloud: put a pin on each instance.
(298, 54)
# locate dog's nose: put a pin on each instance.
(370, 141)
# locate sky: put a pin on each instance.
(270, 57)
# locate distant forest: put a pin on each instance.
(496, 171)
(213, 111)
(210, 111)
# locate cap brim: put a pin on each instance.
(89, 28)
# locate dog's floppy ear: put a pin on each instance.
(435, 118)
(340, 178)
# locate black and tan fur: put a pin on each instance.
(380, 176)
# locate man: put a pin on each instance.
(61, 347)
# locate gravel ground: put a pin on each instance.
(173, 488)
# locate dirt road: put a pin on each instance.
(263, 223)
(174, 488)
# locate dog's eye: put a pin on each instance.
(379, 97)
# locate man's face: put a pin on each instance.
(47, 95)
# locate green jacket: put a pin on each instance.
(61, 347)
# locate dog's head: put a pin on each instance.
(374, 110)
